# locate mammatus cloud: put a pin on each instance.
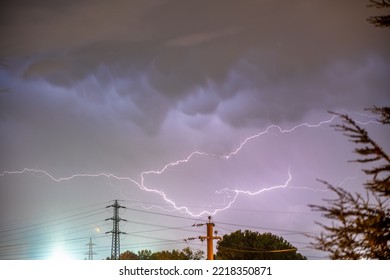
(248, 96)
(242, 64)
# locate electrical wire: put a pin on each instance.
(5, 225)
(287, 232)
(17, 247)
(258, 251)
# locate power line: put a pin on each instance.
(259, 251)
(25, 246)
(287, 232)
(159, 214)
(3, 226)
(32, 227)
(45, 229)
(19, 247)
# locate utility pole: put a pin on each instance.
(209, 237)
(90, 252)
(115, 244)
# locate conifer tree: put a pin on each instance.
(360, 227)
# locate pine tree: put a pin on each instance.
(360, 227)
(382, 20)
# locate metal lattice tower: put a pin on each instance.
(115, 244)
(90, 252)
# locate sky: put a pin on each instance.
(179, 110)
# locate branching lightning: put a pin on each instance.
(232, 194)
(280, 130)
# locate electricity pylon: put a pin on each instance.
(90, 252)
(115, 244)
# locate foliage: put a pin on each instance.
(383, 20)
(360, 226)
(128, 255)
(185, 254)
(191, 255)
(250, 245)
(167, 255)
(144, 254)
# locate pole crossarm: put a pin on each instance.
(210, 237)
(203, 238)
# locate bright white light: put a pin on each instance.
(60, 254)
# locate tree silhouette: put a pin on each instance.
(144, 254)
(185, 254)
(128, 255)
(192, 255)
(250, 245)
(360, 225)
(383, 20)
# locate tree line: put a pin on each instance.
(238, 245)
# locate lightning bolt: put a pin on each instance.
(233, 194)
(280, 130)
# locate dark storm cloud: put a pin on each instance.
(138, 63)
(254, 62)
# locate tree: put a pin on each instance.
(383, 20)
(191, 255)
(185, 254)
(250, 245)
(144, 254)
(128, 255)
(360, 225)
(168, 255)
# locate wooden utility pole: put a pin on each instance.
(210, 238)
